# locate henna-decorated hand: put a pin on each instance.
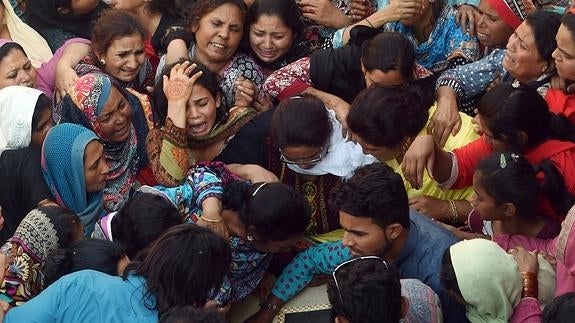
(178, 86)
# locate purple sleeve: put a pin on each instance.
(527, 311)
(46, 74)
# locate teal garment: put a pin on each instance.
(89, 296)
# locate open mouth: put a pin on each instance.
(198, 128)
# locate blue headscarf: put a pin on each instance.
(63, 169)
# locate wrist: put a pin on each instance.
(269, 307)
(530, 285)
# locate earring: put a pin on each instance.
(102, 61)
(250, 237)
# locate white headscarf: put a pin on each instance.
(17, 105)
(35, 46)
(342, 157)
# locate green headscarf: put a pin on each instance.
(490, 282)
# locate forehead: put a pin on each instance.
(356, 223)
(226, 12)
(487, 8)
(525, 32)
(14, 56)
(565, 40)
(113, 98)
(127, 42)
(270, 21)
(93, 152)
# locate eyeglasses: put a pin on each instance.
(312, 161)
(334, 273)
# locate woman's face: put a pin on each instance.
(427, 11)
(277, 246)
(16, 69)
(484, 203)
(380, 78)
(380, 152)
(491, 30)
(305, 157)
(95, 167)
(270, 38)
(564, 55)
(44, 124)
(496, 144)
(128, 5)
(124, 57)
(81, 7)
(218, 34)
(522, 59)
(201, 112)
(116, 117)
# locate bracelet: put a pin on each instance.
(530, 286)
(454, 215)
(211, 220)
(269, 306)
(369, 23)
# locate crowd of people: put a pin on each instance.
(169, 159)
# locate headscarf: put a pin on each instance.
(63, 169)
(17, 105)
(82, 105)
(34, 240)
(490, 282)
(512, 12)
(34, 44)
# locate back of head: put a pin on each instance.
(190, 314)
(113, 24)
(389, 51)
(544, 24)
(95, 254)
(185, 255)
(275, 211)
(366, 291)
(142, 220)
(384, 116)
(561, 310)
(289, 128)
(374, 191)
(511, 112)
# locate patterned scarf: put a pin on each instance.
(82, 105)
(512, 12)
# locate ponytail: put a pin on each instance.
(561, 128)
(553, 187)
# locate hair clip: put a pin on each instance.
(296, 97)
(515, 157)
(257, 189)
(502, 161)
(516, 84)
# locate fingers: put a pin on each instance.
(471, 22)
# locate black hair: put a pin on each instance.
(363, 284)
(65, 221)
(288, 128)
(287, 10)
(507, 111)
(516, 183)
(8, 47)
(142, 220)
(209, 80)
(194, 11)
(95, 254)
(166, 7)
(42, 104)
(384, 116)
(389, 51)
(185, 255)
(544, 24)
(113, 24)
(568, 20)
(275, 211)
(190, 314)
(560, 310)
(374, 191)
(447, 275)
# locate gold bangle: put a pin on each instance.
(369, 23)
(454, 215)
(211, 220)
